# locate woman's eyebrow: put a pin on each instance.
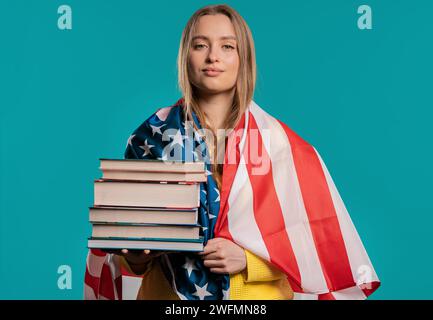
(206, 38)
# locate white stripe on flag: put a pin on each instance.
(94, 264)
(241, 220)
(89, 293)
(240, 216)
(352, 293)
(305, 296)
(289, 195)
(130, 287)
(360, 264)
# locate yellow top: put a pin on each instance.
(260, 280)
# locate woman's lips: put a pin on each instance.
(212, 73)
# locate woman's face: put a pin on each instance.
(213, 57)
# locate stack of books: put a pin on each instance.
(147, 204)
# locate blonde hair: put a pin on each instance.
(244, 85)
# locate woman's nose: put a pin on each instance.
(213, 54)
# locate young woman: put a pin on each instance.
(273, 221)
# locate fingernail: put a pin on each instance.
(125, 251)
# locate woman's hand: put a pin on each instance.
(137, 259)
(223, 256)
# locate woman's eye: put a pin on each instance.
(199, 46)
(227, 46)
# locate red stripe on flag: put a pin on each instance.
(106, 287)
(369, 288)
(92, 282)
(98, 252)
(326, 296)
(229, 171)
(267, 208)
(295, 285)
(321, 213)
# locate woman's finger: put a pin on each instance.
(212, 256)
(209, 249)
(214, 263)
(216, 240)
(125, 251)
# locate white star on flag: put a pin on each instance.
(208, 172)
(211, 216)
(218, 198)
(177, 138)
(156, 129)
(129, 143)
(197, 136)
(146, 147)
(202, 292)
(225, 294)
(204, 191)
(189, 265)
(195, 155)
(205, 228)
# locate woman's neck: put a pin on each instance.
(216, 107)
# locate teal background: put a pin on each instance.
(361, 97)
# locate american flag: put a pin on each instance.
(277, 200)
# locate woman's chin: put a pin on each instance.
(214, 89)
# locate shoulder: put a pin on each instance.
(276, 129)
(146, 139)
(163, 113)
(160, 116)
